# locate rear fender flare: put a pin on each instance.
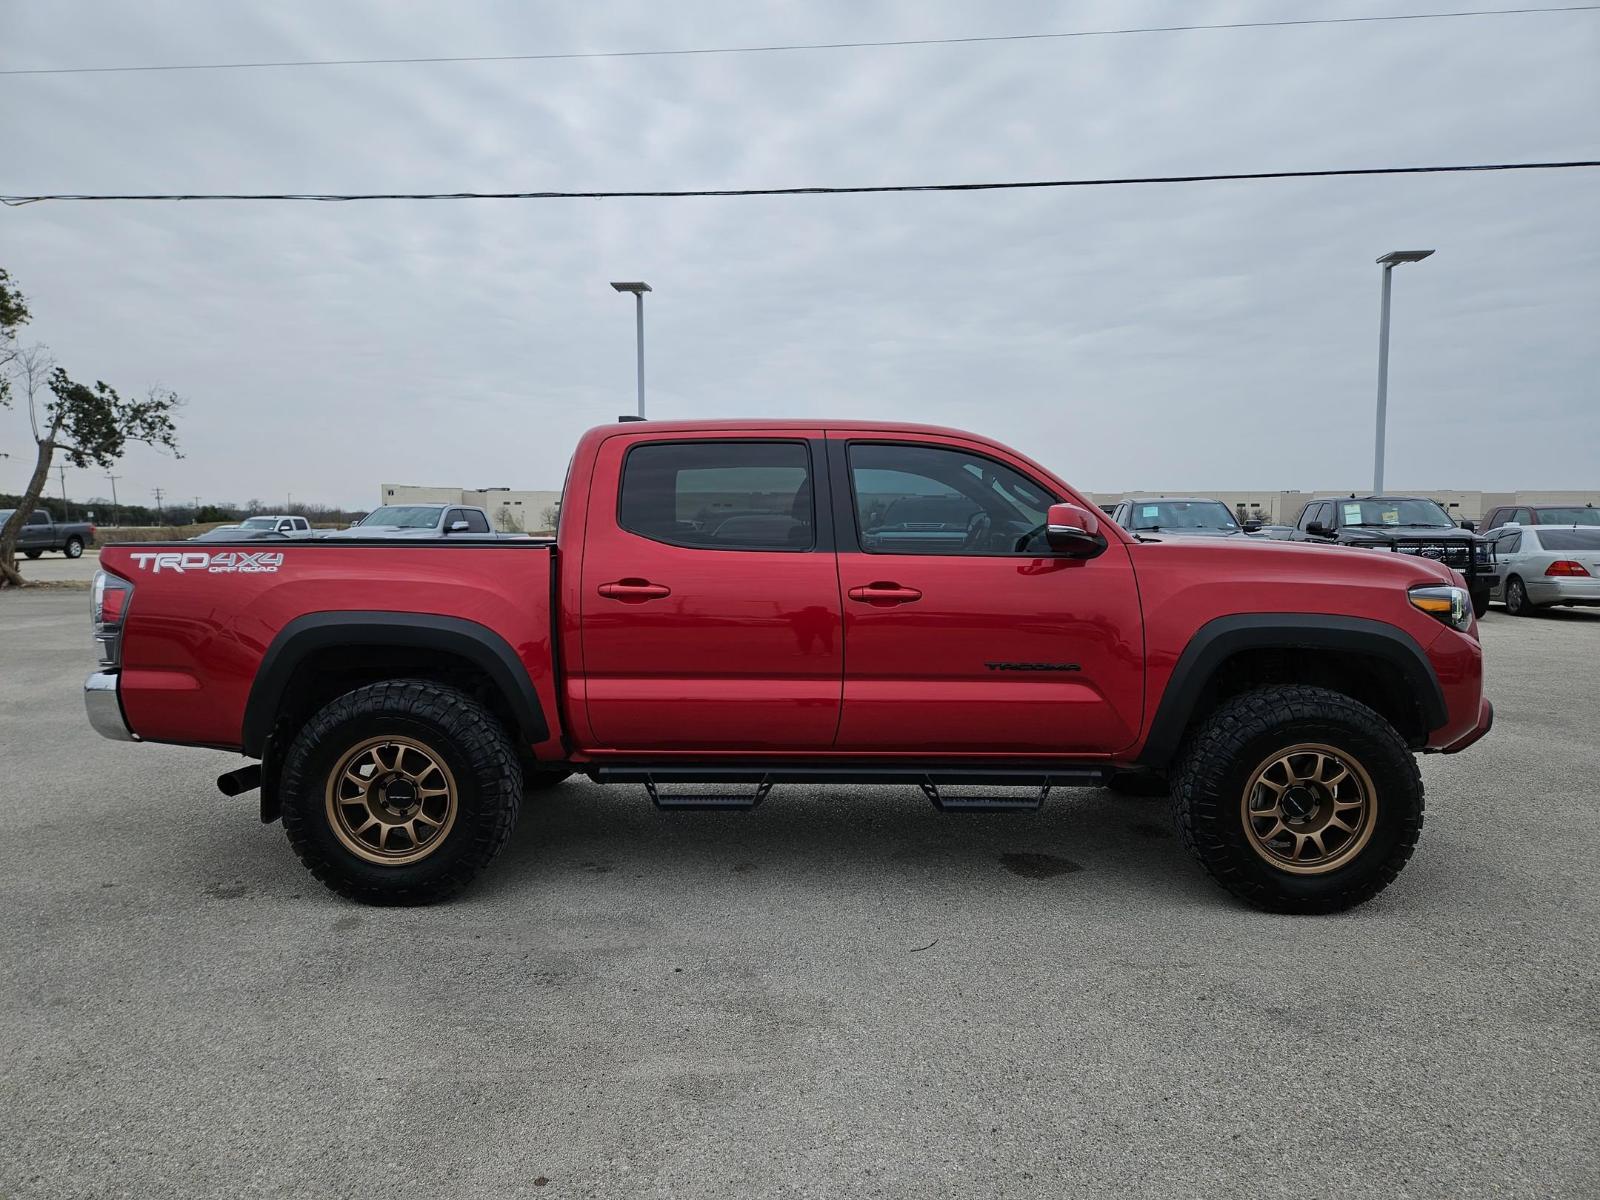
(306, 635)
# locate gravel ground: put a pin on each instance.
(843, 993)
(53, 567)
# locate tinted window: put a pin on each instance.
(476, 521)
(928, 500)
(1569, 516)
(1509, 544)
(1582, 540)
(720, 495)
(40, 517)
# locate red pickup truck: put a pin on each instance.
(729, 605)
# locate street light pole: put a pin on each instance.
(1388, 262)
(638, 289)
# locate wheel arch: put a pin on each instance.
(1373, 662)
(290, 664)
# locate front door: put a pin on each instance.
(710, 595)
(963, 633)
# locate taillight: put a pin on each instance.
(1566, 567)
(111, 596)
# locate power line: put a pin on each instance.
(807, 46)
(1013, 185)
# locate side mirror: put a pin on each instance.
(458, 526)
(1470, 526)
(1072, 530)
(1318, 529)
(1252, 526)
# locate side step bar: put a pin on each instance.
(930, 779)
(706, 801)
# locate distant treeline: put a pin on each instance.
(178, 514)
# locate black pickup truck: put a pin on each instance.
(41, 533)
(1405, 525)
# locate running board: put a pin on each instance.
(1022, 803)
(706, 801)
(913, 772)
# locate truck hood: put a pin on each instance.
(1386, 534)
(1261, 558)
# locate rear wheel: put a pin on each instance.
(33, 553)
(73, 548)
(1298, 799)
(1517, 602)
(400, 792)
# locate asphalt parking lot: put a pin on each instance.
(843, 993)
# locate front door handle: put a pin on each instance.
(634, 591)
(884, 594)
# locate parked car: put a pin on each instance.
(1540, 514)
(42, 532)
(418, 521)
(279, 523)
(1192, 516)
(1405, 525)
(397, 696)
(1540, 566)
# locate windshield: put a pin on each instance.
(405, 516)
(1174, 516)
(1413, 513)
(1547, 516)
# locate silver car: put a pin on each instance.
(1537, 566)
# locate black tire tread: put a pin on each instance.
(1210, 751)
(478, 735)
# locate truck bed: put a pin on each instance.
(204, 617)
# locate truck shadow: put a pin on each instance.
(1085, 840)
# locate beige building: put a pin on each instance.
(1282, 508)
(510, 510)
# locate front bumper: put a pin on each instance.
(1485, 723)
(104, 706)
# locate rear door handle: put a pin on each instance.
(884, 594)
(634, 591)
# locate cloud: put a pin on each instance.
(1218, 335)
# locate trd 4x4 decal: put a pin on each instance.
(224, 562)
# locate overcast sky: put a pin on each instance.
(1201, 336)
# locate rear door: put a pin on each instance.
(710, 595)
(963, 633)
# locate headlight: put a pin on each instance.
(1443, 602)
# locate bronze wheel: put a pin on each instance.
(391, 800)
(1309, 809)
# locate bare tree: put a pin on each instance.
(551, 515)
(507, 521)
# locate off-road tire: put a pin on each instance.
(1480, 601)
(473, 744)
(1142, 784)
(73, 548)
(33, 553)
(1220, 757)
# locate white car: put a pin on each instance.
(280, 523)
(1537, 566)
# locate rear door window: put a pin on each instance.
(720, 495)
(476, 521)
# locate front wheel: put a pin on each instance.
(33, 553)
(1298, 799)
(400, 792)
(73, 548)
(1480, 601)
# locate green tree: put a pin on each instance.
(88, 426)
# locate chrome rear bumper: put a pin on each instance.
(104, 707)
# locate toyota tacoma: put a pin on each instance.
(732, 605)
